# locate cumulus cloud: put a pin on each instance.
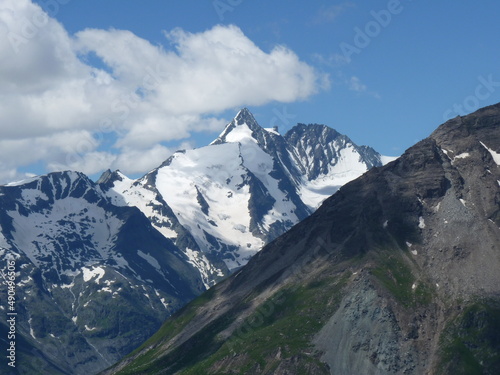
(57, 109)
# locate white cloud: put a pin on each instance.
(56, 109)
(333, 61)
(355, 84)
(138, 161)
(328, 14)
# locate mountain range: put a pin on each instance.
(398, 272)
(220, 204)
(100, 265)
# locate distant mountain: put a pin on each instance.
(222, 203)
(397, 273)
(93, 279)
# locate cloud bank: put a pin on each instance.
(110, 99)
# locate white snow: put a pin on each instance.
(447, 152)
(89, 274)
(32, 333)
(164, 303)
(39, 232)
(218, 172)
(347, 168)
(495, 155)
(200, 261)
(271, 130)
(462, 155)
(421, 222)
(24, 282)
(387, 159)
(151, 260)
(23, 182)
(240, 133)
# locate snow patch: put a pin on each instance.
(347, 167)
(23, 182)
(43, 233)
(447, 152)
(240, 133)
(24, 282)
(387, 159)
(88, 274)
(421, 222)
(463, 155)
(151, 260)
(272, 130)
(495, 155)
(32, 333)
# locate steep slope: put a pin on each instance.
(93, 280)
(396, 273)
(327, 160)
(222, 203)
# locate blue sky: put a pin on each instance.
(386, 73)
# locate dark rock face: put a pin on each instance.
(314, 160)
(396, 273)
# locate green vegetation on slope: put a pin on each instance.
(395, 274)
(279, 330)
(470, 343)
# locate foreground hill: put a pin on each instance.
(396, 273)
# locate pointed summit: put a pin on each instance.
(243, 126)
(244, 116)
(108, 178)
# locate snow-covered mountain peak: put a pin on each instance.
(242, 128)
(221, 203)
